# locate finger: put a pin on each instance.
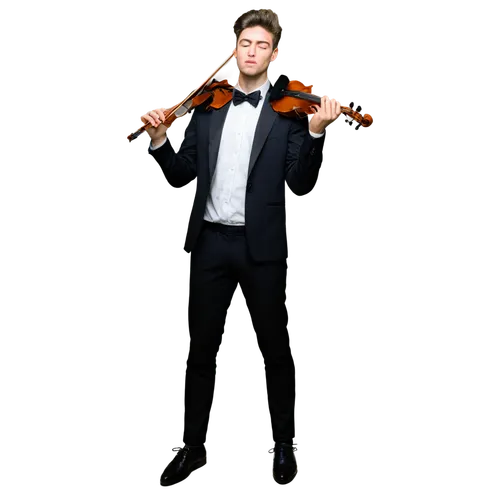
(147, 118)
(329, 108)
(161, 114)
(158, 114)
(150, 118)
(155, 116)
(325, 104)
(143, 119)
(337, 108)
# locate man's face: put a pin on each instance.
(255, 44)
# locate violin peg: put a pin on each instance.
(351, 105)
(359, 125)
(358, 109)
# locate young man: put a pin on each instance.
(241, 155)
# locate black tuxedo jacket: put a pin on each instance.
(282, 150)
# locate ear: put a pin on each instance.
(275, 54)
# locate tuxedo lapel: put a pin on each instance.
(214, 135)
(266, 121)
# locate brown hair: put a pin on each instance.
(265, 18)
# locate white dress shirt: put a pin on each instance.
(226, 199)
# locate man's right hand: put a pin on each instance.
(158, 130)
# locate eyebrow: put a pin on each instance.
(260, 41)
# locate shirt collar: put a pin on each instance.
(263, 88)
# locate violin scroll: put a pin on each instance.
(363, 120)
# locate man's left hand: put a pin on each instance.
(325, 114)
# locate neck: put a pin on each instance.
(250, 83)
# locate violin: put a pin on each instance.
(288, 98)
(291, 98)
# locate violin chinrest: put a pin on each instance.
(279, 87)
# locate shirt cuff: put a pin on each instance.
(315, 135)
(156, 147)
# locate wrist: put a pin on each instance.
(316, 130)
(159, 141)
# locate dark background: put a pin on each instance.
(352, 305)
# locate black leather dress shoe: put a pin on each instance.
(186, 461)
(284, 464)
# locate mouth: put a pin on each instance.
(250, 62)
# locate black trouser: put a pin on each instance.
(219, 262)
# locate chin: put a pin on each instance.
(245, 71)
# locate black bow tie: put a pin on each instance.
(239, 97)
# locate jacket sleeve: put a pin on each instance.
(179, 168)
(303, 158)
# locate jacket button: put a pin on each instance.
(249, 187)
